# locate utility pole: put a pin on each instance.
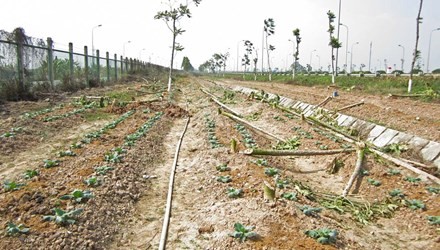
(337, 49)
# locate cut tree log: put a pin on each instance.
(350, 106)
(295, 152)
(269, 191)
(359, 163)
(408, 95)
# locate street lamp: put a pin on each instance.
(238, 43)
(429, 49)
(140, 53)
(403, 55)
(93, 45)
(319, 62)
(123, 51)
(337, 49)
(346, 45)
(351, 59)
(311, 53)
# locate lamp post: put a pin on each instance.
(351, 59)
(346, 45)
(403, 55)
(311, 54)
(123, 51)
(238, 43)
(337, 49)
(93, 45)
(319, 62)
(429, 49)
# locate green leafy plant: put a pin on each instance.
(289, 196)
(63, 217)
(8, 135)
(323, 236)
(224, 179)
(102, 170)
(364, 172)
(395, 148)
(12, 229)
(323, 147)
(11, 186)
(412, 179)
(131, 139)
(211, 133)
(396, 193)
(30, 173)
(290, 144)
(282, 183)
(374, 182)
(113, 157)
(261, 162)
(243, 232)
(310, 211)
(434, 220)
(92, 181)
(278, 118)
(223, 168)
(51, 163)
(393, 172)
(248, 140)
(415, 204)
(234, 192)
(78, 196)
(434, 190)
(271, 171)
(66, 153)
(76, 145)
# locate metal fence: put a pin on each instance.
(35, 65)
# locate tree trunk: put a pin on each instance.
(295, 152)
(360, 160)
(416, 54)
(172, 57)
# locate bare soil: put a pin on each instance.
(127, 209)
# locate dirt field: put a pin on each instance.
(137, 140)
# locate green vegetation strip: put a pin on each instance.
(32, 115)
(97, 134)
(74, 112)
(131, 139)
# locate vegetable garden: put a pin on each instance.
(93, 173)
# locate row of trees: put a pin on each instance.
(218, 60)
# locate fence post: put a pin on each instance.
(50, 62)
(122, 65)
(98, 67)
(86, 65)
(71, 62)
(126, 65)
(107, 60)
(131, 65)
(116, 67)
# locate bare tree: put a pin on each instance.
(334, 42)
(416, 54)
(171, 17)
(296, 55)
(269, 29)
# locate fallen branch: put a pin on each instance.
(350, 106)
(166, 220)
(144, 102)
(407, 165)
(214, 98)
(238, 119)
(326, 100)
(90, 97)
(407, 95)
(359, 162)
(295, 152)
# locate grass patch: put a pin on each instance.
(97, 115)
(125, 96)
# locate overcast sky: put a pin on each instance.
(217, 26)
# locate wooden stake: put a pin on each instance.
(360, 159)
(295, 152)
(233, 145)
